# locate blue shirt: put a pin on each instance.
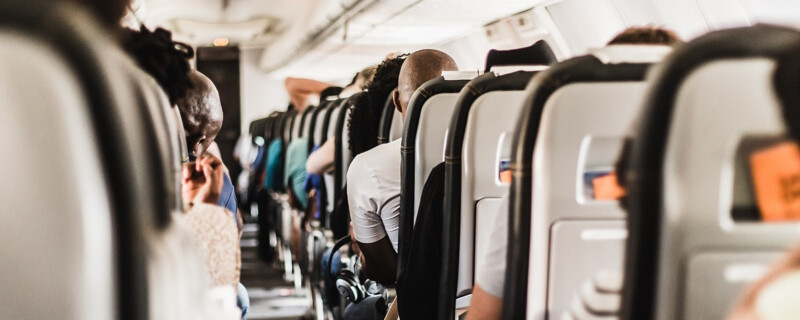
(227, 198)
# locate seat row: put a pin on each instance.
(682, 236)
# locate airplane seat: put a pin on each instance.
(82, 286)
(689, 255)
(391, 125)
(289, 126)
(297, 124)
(169, 135)
(331, 117)
(424, 131)
(597, 298)
(476, 150)
(316, 125)
(342, 156)
(540, 52)
(305, 122)
(571, 133)
(316, 139)
(110, 185)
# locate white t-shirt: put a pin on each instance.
(373, 191)
(493, 263)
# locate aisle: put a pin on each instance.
(271, 296)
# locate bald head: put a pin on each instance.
(201, 112)
(418, 68)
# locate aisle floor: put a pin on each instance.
(271, 295)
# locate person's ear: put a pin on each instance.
(396, 100)
(197, 148)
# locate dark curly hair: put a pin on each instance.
(164, 59)
(367, 108)
(646, 35)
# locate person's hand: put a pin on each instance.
(202, 180)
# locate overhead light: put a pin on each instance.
(220, 42)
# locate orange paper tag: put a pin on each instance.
(505, 176)
(607, 187)
(776, 178)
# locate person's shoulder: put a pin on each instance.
(375, 163)
(381, 152)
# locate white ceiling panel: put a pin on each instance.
(199, 22)
(400, 25)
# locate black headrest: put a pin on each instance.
(538, 53)
(331, 91)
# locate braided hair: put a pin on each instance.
(167, 61)
(367, 108)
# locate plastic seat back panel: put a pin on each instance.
(716, 106)
(579, 251)
(581, 133)
(729, 274)
(491, 121)
(433, 122)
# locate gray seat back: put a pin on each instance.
(68, 193)
(427, 116)
(329, 178)
(687, 257)
(478, 140)
(576, 237)
(103, 117)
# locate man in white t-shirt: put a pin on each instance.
(373, 179)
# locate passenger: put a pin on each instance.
(294, 180)
(487, 295)
(322, 160)
(201, 112)
(202, 183)
(373, 178)
(194, 94)
(774, 295)
(295, 175)
(365, 115)
(360, 82)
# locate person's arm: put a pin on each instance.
(364, 197)
(322, 160)
(484, 306)
(745, 308)
(380, 261)
(299, 89)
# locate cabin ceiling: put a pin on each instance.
(243, 22)
(300, 35)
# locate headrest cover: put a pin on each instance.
(627, 53)
(537, 54)
(459, 75)
(503, 70)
